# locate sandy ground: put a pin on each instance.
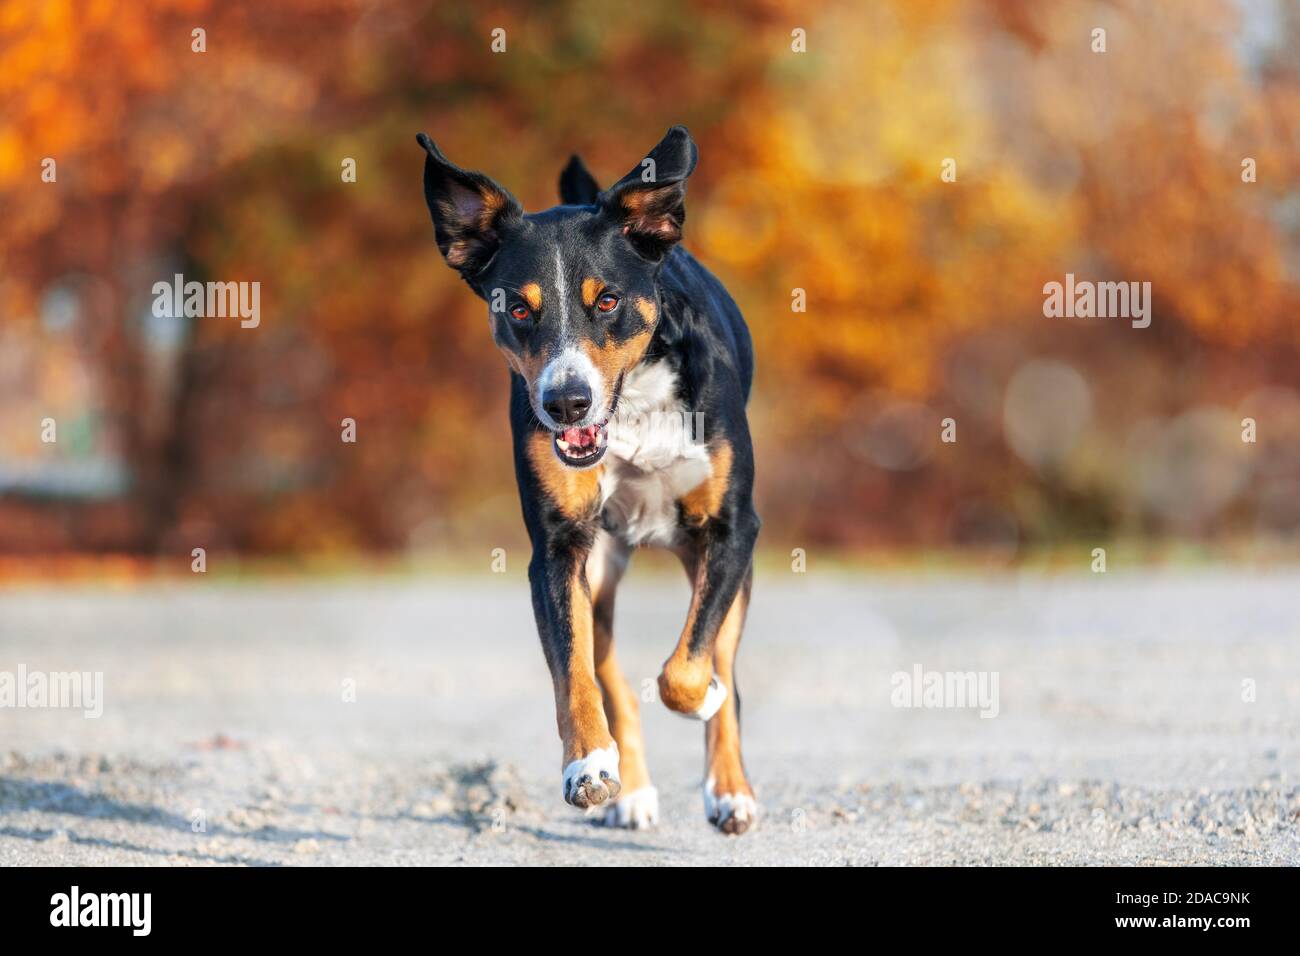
(1122, 735)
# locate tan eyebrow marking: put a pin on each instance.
(591, 289)
(532, 294)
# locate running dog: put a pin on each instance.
(630, 369)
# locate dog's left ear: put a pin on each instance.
(468, 210)
(650, 201)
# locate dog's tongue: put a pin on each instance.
(581, 437)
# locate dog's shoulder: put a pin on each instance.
(702, 321)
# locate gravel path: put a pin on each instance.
(1121, 737)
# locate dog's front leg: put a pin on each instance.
(562, 604)
(699, 679)
(718, 560)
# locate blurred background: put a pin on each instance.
(819, 171)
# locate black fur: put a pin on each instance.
(577, 186)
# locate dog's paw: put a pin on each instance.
(635, 810)
(731, 813)
(593, 779)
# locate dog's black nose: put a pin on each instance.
(567, 403)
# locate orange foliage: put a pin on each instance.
(819, 171)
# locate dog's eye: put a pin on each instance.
(519, 311)
(607, 302)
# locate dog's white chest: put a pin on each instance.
(653, 458)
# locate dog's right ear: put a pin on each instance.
(577, 186)
(468, 210)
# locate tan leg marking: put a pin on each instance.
(605, 567)
(731, 802)
(588, 747)
(685, 679)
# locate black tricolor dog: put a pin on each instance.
(630, 370)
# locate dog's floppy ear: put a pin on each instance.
(650, 201)
(577, 186)
(468, 210)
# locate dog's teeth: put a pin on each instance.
(564, 445)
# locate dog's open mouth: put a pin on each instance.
(582, 447)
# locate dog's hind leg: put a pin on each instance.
(728, 799)
(637, 806)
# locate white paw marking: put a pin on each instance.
(721, 808)
(713, 700)
(637, 810)
(593, 778)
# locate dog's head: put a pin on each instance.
(571, 291)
